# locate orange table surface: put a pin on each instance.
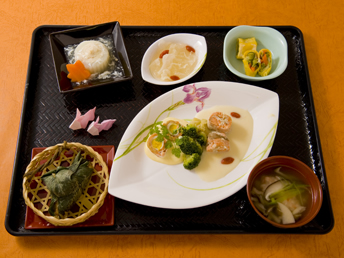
(321, 23)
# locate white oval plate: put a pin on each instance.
(196, 41)
(136, 178)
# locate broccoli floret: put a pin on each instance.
(196, 133)
(202, 138)
(189, 146)
(191, 161)
(190, 130)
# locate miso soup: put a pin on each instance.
(281, 194)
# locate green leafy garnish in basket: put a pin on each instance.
(66, 184)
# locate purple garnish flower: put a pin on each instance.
(194, 94)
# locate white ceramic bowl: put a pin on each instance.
(266, 38)
(196, 41)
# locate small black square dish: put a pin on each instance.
(116, 67)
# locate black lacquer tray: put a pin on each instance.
(46, 115)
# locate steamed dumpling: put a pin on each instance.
(94, 55)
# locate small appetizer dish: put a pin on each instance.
(255, 53)
(284, 192)
(66, 184)
(174, 59)
(90, 56)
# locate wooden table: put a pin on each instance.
(322, 25)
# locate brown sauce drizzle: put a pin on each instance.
(174, 78)
(226, 161)
(163, 53)
(235, 114)
(190, 49)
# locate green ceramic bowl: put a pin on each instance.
(266, 38)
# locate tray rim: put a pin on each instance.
(105, 232)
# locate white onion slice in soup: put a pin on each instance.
(299, 210)
(287, 215)
(274, 187)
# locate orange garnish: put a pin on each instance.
(77, 72)
(190, 49)
(174, 78)
(265, 58)
(165, 52)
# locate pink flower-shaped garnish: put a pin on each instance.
(81, 121)
(95, 128)
(194, 94)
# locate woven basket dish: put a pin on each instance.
(37, 196)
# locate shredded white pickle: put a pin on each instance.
(178, 62)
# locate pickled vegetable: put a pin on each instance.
(251, 62)
(265, 58)
(245, 45)
(173, 61)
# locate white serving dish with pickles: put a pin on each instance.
(267, 38)
(195, 41)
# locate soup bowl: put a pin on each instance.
(300, 170)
